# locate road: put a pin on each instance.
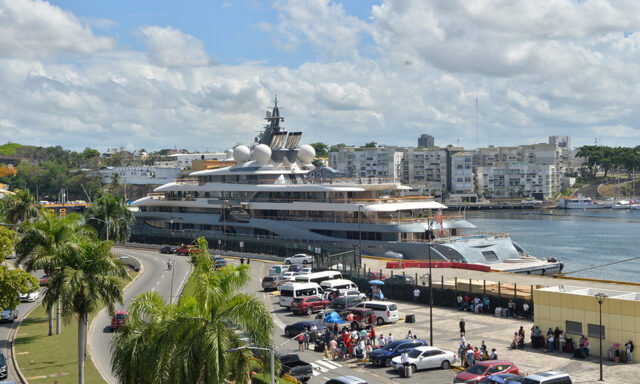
(6, 329)
(323, 368)
(155, 277)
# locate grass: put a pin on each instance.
(42, 355)
(9, 148)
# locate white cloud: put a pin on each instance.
(33, 29)
(171, 47)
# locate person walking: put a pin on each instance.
(416, 294)
(629, 347)
(372, 337)
(333, 346)
(462, 329)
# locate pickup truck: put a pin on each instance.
(362, 318)
(292, 365)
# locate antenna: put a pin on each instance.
(477, 119)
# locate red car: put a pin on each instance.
(118, 319)
(187, 250)
(308, 304)
(45, 280)
(377, 275)
(480, 370)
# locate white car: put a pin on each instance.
(426, 358)
(286, 277)
(300, 258)
(29, 297)
(352, 293)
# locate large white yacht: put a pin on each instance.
(274, 191)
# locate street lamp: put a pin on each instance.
(430, 283)
(106, 222)
(271, 350)
(600, 297)
(359, 231)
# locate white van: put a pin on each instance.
(318, 277)
(387, 312)
(276, 270)
(291, 291)
(336, 284)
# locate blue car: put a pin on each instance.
(383, 356)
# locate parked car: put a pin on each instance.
(29, 297)
(384, 356)
(401, 279)
(300, 258)
(9, 315)
(362, 317)
(548, 377)
(44, 280)
(119, 319)
(186, 250)
(294, 268)
(308, 305)
(286, 277)
(304, 271)
(386, 311)
(343, 302)
(346, 380)
(270, 283)
(482, 369)
(507, 377)
(351, 293)
(426, 358)
(291, 365)
(377, 275)
(3, 367)
(292, 330)
(168, 249)
(219, 263)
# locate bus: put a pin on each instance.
(291, 291)
(318, 277)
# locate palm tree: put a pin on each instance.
(42, 242)
(111, 218)
(20, 206)
(90, 278)
(187, 342)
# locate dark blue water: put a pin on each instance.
(580, 238)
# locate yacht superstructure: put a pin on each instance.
(274, 191)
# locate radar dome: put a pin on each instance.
(306, 153)
(241, 154)
(228, 154)
(261, 153)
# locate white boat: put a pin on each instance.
(626, 204)
(274, 192)
(581, 202)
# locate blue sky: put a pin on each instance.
(199, 74)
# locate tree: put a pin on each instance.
(336, 148)
(42, 243)
(321, 149)
(20, 206)
(89, 153)
(15, 281)
(90, 278)
(371, 144)
(187, 342)
(110, 213)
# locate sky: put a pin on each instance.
(200, 74)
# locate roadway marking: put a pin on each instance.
(323, 366)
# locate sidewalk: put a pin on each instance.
(498, 333)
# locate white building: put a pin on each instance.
(461, 173)
(140, 175)
(382, 162)
(184, 160)
(517, 179)
(425, 169)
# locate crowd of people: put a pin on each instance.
(482, 304)
(469, 355)
(350, 344)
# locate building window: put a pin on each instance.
(595, 331)
(574, 327)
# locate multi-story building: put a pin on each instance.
(184, 160)
(560, 141)
(425, 169)
(425, 141)
(517, 179)
(384, 162)
(460, 169)
(140, 175)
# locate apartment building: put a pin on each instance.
(140, 175)
(384, 162)
(425, 169)
(184, 160)
(517, 179)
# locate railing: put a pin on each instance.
(299, 180)
(356, 201)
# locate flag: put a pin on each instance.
(439, 218)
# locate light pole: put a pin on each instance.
(106, 222)
(430, 283)
(271, 350)
(359, 231)
(600, 297)
(224, 223)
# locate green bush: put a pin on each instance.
(265, 378)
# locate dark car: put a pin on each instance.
(308, 304)
(219, 263)
(167, 249)
(384, 355)
(298, 328)
(401, 279)
(3, 367)
(362, 317)
(482, 369)
(507, 377)
(343, 302)
(346, 380)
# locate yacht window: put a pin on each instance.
(490, 255)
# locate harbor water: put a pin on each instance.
(580, 238)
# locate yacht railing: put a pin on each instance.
(470, 237)
(363, 220)
(299, 179)
(356, 201)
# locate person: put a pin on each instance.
(587, 348)
(327, 337)
(463, 341)
(333, 346)
(486, 304)
(476, 354)
(382, 341)
(390, 338)
(169, 264)
(350, 317)
(551, 342)
(525, 310)
(372, 337)
(307, 338)
(241, 260)
(300, 342)
(416, 294)
(511, 307)
(469, 356)
(556, 338)
(248, 261)
(494, 355)
(405, 358)
(561, 341)
(460, 303)
(483, 347)
(515, 341)
(476, 305)
(363, 335)
(629, 347)
(462, 330)
(314, 330)
(409, 335)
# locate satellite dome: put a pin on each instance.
(241, 154)
(261, 153)
(306, 154)
(228, 154)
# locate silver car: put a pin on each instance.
(270, 282)
(9, 315)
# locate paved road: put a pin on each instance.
(6, 328)
(155, 277)
(324, 369)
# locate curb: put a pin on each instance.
(12, 336)
(140, 273)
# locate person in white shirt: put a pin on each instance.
(382, 341)
(416, 294)
(390, 338)
(405, 358)
(409, 335)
